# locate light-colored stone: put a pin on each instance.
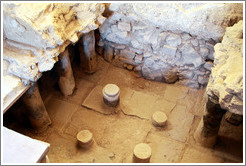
(169, 50)
(214, 16)
(226, 82)
(111, 94)
(186, 36)
(203, 80)
(138, 59)
(208, 65)
(66, 81)
(111, 89)
(190, 83)
(136, 50)
(21, 64)
(204, 52)
(147, 73)
(147, 55)
(186, 74)
(181, 35)
(194, 42)
(169, 74)
(119, 37)
(45, 30)
(142, 153)
(127, 53)
(123, 26)
(108, 53)
(136, 44)
(88, 56)
(159, 118)
(147, 35)
(97, 95)
(117, 46)
(158, 75)
(173, 40)
(190, 56)
(85, 138)
(13, 87)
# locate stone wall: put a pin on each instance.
(225, 85)
(36, 33)
(166, 42)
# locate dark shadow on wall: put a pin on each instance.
(107, 13)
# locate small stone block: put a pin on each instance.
(142, 153)
(111, 89)
(85, 138)
(169, 50)
(159, 119)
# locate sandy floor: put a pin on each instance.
(117, 130)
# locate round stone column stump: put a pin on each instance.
(159, 119)
(142, 153)
(85, 138)
(111, 94)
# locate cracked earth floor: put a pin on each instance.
(117, 130)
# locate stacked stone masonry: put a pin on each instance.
(166, 42)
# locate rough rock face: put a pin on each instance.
(226, 82)
(205, 20)
(167, 42)
(36, 33)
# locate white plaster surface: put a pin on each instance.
(18, 148)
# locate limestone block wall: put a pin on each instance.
(36, 33)
(225, 85)
(167, 42)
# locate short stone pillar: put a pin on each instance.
(159, 119)
(36, 111)
(108, 53)
(66, 81)
(111, 95)
(85, 139)
(88, 56)
(208, 128)
(142, 153)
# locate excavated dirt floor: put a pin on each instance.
(117, 130)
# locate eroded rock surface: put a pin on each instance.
(36, 33)
(226, 82)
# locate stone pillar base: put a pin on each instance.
(208, 142)
(208, 128)
(66, 81)
(36, 111)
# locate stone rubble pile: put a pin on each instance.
(225, 85)
(36, 33)
(166, 42)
